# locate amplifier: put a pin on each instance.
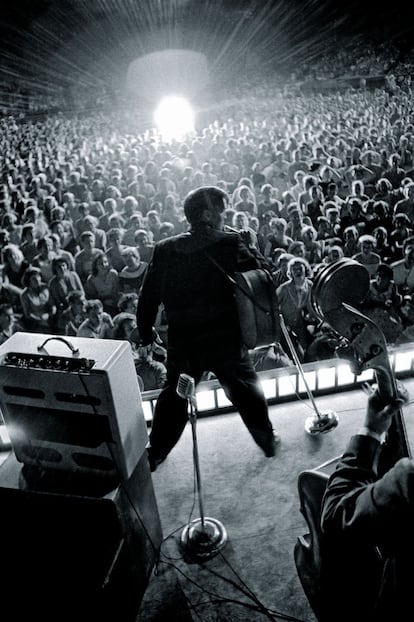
(72, 405)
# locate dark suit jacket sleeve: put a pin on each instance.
(150, 296)
(355, 503)
(249, 258)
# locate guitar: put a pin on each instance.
(337, 291)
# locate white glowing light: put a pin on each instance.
(174, 118)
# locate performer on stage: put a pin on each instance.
(203, 329)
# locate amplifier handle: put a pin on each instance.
(74, 350)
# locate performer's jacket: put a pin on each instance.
(198, 297)
(367, 553)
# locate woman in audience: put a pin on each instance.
(15, 265)
(103, 283)
(36, 301)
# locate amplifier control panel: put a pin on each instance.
(46, 361)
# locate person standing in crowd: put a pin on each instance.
(203, 332)
(367, 528)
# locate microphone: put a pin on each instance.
(203, 537)
(186, 388)
(231, 229)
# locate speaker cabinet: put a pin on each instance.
(69, 557)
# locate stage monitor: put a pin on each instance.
(72, 405)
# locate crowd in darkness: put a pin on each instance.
(311, 178)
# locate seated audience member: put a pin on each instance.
(366, 256)
(44, 258)
(296, 222)
(114, 249)
(9, 324)
(297, 249)
(313, 247)
(277, 237)
(36, 301)
(323, 345)
(351, 235)
(366, 523)
(67, 242)
(128, 303)
(167, 230)
(71, 318)
(333, 253)
(269, 357)
(294, 303)
(154, 224)
(134, 225)
(98, 324)
(103, 283)
(315, 207)
(383, 303)
(382, 247)
(131, 277)
(28, 245)
(401, 230)
(152, 373)
(241, 222)
(88, 223)
(63, 282)
(15, 265)
(280, 275)
(144, 244)
(84, 258)
(268, 203)
(9, 293)
(403, 270)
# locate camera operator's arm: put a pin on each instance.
(356, 503)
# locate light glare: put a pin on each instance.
(174, 118)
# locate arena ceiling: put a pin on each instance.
(92, 39)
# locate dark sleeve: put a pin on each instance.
(150, 297)
(355, 503)
(250, 258)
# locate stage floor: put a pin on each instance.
(253, 578)
(256, 500)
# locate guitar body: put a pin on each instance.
(257, 308)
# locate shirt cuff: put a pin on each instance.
(364, 431)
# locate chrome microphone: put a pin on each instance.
(186, 388)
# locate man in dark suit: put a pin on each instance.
(367, 522)
(187, 274)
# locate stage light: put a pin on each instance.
(403, 361)
(310, 378)
(5, 442)
(345, 375)
(287, 385)
(205, 400)
(269, 388)
(174, 118)
(326, 378)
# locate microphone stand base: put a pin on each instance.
(321, 424)
(202, 540)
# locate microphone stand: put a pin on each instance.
(321, 422)
(203, 537)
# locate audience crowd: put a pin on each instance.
(311, 178)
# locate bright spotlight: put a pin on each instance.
(174, 118)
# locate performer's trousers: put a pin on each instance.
(240, 384)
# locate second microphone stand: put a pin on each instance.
(203, 537)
